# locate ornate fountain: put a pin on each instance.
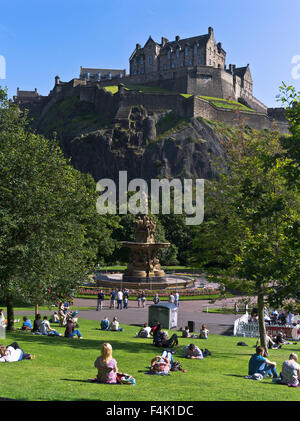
(144, 263)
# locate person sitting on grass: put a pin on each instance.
(260, 365)
(45, 328)
(186, 332)
(115, 325)
(144, 332)
(192, 351)
(27, 325)
(161, 339)
(70, 331)
(204, 332)
(106, 366)
(13, 353)
(54, 317)
(104, 324)
(37, 324)
(291, 371)
(269, 342)
(280, 341)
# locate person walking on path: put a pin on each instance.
(176, 299)
(100, 300)
(156, 299)
(113, 299)
(236, 308)
(119, 299)
(143, 296)
(125, 298)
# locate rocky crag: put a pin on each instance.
(156, 145)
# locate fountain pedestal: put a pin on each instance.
(144, 263)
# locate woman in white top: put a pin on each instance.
(13, 353)
(114, 326)
(291, 370)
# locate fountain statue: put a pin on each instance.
(144, 263)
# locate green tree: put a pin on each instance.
(48, 241)
(252, 214)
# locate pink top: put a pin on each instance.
(106, 371)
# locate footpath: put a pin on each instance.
(187, 311)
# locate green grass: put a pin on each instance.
(62, 367)
(225, 103)
(140, 88)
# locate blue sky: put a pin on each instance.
(42, 39)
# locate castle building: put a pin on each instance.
(195, 66)
(191, 74)
(201, 50)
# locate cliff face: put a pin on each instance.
(146, 146)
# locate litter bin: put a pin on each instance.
(191, 326)
(164, 313)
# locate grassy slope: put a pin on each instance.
(62, 367)
(218, 102)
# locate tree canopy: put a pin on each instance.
(49, 229)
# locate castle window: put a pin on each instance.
(134, 72)
(200, 60)
(142, 60)
(142, 70)
(191, 62)
(209, 62)
(134, 61)
(182, 63)
(214, 53)
(150, 59)
(169, 54)
(173, 65)
(196, 50)
(177, 53)
(165, 67)
(209, 50)
(186, 51)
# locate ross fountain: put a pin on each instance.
(144, 264)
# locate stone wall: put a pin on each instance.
(255, 120)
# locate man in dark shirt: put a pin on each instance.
(37, 324)
(113, 299)
(100, 300)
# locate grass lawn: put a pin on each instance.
(62, 367)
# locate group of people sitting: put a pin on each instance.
(277, 317)
(275, 342)
(202, 335)
(42, 327)
(161, 339)
(108, 371)
(113, 326)
(261, 367)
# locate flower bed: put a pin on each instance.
(93, 291)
